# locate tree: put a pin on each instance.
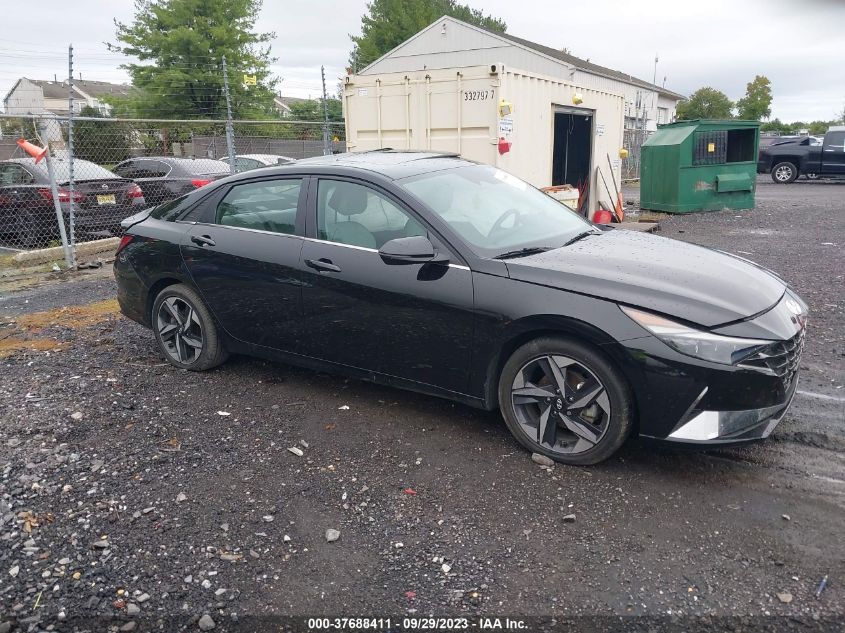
(179, 45)
(103, 142)
(775, 125)
(312, 110)
(705, 103)
(388, 23)
(756, 105)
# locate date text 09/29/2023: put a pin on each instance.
(415, 624)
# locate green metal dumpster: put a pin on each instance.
(700, 166)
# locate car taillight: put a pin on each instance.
(64, 195)
(200, 182)
(124, 242)
(134, 191)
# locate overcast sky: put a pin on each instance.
(798, 44)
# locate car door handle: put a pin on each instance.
(203, 240)
(322, 265)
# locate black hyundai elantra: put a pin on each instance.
(436, 274)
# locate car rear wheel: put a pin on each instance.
(565, 400)
(784, 173)
(185, 330)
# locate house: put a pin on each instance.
(95, 93)
(34, 96)
(283, 104)
(451, 43)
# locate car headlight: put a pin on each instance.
(716, 348)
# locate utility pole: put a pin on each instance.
(326, 147)
(654, 92)
(54, 190)
(70, 183)
(230, 132)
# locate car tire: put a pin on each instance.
(784, 173)
(812, 176)
(185, 331)
(585, 370)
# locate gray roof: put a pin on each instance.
(287, 101)
(587, 66)
(51, 89)
(100, 88)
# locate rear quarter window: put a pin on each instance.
(171, 210)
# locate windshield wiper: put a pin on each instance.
(523, 252)
(580, 236)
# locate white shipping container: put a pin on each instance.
(553, 137)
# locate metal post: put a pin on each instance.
(70, 184)
(55, 191)
(230, 132)
(326, 148)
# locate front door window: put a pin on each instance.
(356, 215)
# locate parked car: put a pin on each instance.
(436, 274)
(787, 160)
(27, 213)
(164, 178)
(246, 162)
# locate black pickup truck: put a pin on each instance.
(786, 161)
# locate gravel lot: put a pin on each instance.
(137, 497)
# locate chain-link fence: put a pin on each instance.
(109, 169)
(633, 141)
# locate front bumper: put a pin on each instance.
(683, 399)
(720, 428)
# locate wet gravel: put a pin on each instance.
(137, 497)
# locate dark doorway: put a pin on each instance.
(572, 149)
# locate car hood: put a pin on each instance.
(674, 278)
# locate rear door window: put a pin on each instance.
(153, 169)
(11, 174)
(835, 141)
(267, 205)
(125, 170)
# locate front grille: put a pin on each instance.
(781, 358)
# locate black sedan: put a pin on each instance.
(436, 274)
(163, 178)
(27, 211)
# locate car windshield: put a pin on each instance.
(495, 212)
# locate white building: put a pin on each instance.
(283, 105)
(33, 96)
(539, 113)
(450, 43)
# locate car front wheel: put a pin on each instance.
(565, 400)
(784, 173)
(185, 330)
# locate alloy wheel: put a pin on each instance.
(180, 330)
(783, 173)
(561, 404)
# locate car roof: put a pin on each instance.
(190, 166)
(171, 160)
(271, 157)
(26, 160)
(394, 164)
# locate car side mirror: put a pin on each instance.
(411, 250)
